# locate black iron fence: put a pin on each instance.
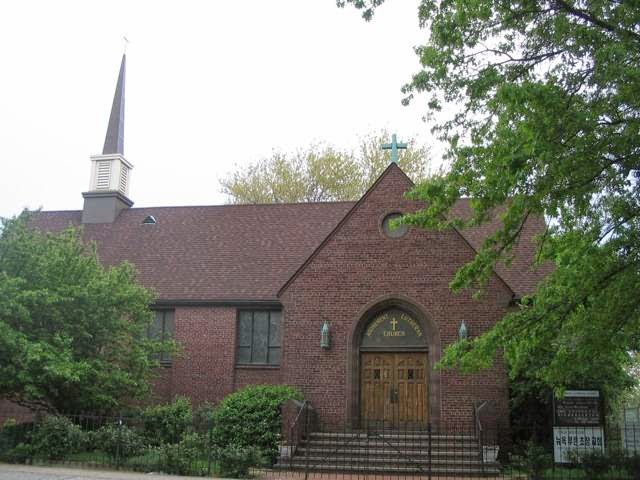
(310, 449)
(128, 442)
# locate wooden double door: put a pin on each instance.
(393, 389)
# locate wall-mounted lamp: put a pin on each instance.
(325, 341)
(463, 332)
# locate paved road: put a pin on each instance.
(23, 472)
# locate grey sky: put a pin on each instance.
(210, 85)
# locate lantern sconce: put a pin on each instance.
(325, 340)
(463, 332)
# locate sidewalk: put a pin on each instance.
(27, 472)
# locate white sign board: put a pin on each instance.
(582, 393)
(569, 442)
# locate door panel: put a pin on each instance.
(377, 385)
(394, 388)
(411, 381)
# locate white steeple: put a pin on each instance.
(108, 191)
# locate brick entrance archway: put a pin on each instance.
(429, 350)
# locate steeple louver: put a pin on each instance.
(110, 171)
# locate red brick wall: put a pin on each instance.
(205, 369)
(357, 267)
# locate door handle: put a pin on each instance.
(393, 395)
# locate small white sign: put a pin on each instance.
(571, 442)
(582, 393)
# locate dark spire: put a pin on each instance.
(114, 141)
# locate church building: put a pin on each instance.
(327, 297)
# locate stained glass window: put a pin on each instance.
(163, 328)
(259, 337)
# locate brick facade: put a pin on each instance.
(316, 262)
(357, 271)
(358, 268)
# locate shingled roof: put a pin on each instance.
(244, 253)
(223, 253)
(520, 274)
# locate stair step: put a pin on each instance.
(386, 435)
(385, 452)
(400, 460)
(393, 444)
(449, 470)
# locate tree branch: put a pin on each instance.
(591, 18)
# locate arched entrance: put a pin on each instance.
(394, 370)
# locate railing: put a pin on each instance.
(332, 451)
(477, 409)
(299, 428)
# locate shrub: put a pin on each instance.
(118, 441)
(56, 438)
(182, 458)
(251, 417)
(12, 434)
(632, 466)
(534, 460)
(234, 460)
(21, 453)
(203, 418)
(167, 423)
(595, 464)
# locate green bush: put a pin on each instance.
(203, 418)
(21, 453)
(251, 417)
(56, 437)
(167, 423)
(595, 464)
(12, 434)
(183, 458)
(118, 441)
(534, 460)
(234, 461)
(632, 466)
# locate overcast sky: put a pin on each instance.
(210, 85)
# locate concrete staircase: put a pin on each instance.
(392, 452)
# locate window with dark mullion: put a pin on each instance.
(162, 329)
(258, 337)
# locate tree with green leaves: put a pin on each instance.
(321, 173)
(539, 104)
(72, 332)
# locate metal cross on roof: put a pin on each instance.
(394, 146)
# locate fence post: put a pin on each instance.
(429, 447)
(118, 444)
(209, 448)
(481, 446)
(306, 450)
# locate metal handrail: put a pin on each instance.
(294, 430)
(477, 406)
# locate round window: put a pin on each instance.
(391, 230)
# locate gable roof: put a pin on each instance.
(519, 276)
(250, 253)
(216, 253)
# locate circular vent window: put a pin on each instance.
(388, 227)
